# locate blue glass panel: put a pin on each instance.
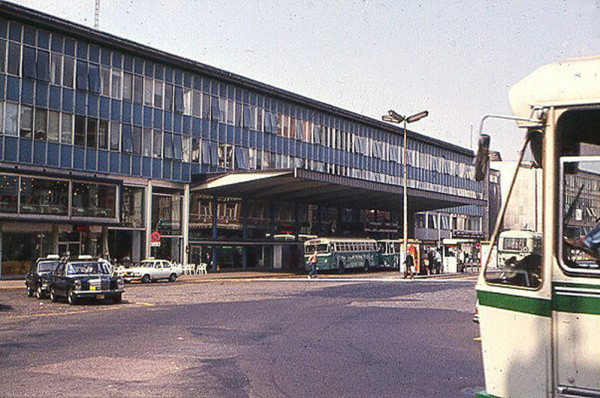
(13, 89)
(39, 152)
(126, 116)
(186, 128)
(2, 85)
(128, 63)
(14, 32)
(136, 165)
(10, 151)
(125, 164)
(105, 57)
(158, 119)
(43, 66)
(92, 105)
(67, 100)
(149, 69)
(138, 66)
(185, 172)
(115, 164)
(80, 103)
(3, 27)
(146, 167)
(82, 50)
(82, 75)
(102, 160)
(137, 114)
(69, 46)
(167, 169)
(25, 150)
(90, 159)
(55, 93)
(41, 95)
(195, 169)
(116, 59)
(94, 78)
(94, 54)
(147, 117)
(53, 154)
(205, 131)
(78, 157)
(66, 156)
(168, 122)
(115, 110)
(177, 123)
(168, 74)
(156, 168)
(178, 77)
(176, 170)
(27, 92)
(196, 127)
(28, 65)
(234, 134)
(104, 108)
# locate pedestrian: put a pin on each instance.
(409, 263)
(312, 260)
(431, 262)
(438, 261)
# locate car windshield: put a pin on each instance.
(46, 266)
(87, 268)
(150, 264)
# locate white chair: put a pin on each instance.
(202, 269)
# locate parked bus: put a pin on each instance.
(539, 325)
(515, 245)
(390, 253)
(342, 253)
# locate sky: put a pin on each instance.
(457, 59)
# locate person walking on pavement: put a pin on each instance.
(409, 263)
(312, 260)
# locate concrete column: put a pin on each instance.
(215, 251)
(55, 234)
(104, 238)
(148, 219)
(244, 233)
(136, 243)
(185, 222)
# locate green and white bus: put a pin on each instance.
(390, 252)
(515, 245)
(342, 253)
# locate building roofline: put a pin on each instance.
(69, 28)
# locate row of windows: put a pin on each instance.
(142, 82)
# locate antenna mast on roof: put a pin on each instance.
(97, 15)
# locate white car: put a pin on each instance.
(152, 270)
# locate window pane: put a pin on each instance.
(9, 193)
(80, 130)
(92, 132)
(158, 94)
(137, 140)
(157, 143)
(197, 103)
(56, 69)
(186, 149)
(12, 119)
(103, 134)
(68, 72)
(147, 142)
(1, 117)
(26, 121)
(177, 147)
(168, 147)
(115, 136)
(105, 80)
(41, 124)
(168, 97)
(148, 91)
(127, 86)
(138, 93)
(2, 55)
(66, 129)
(14, 58)
(116, 84)
(132, 208)
(39, 196)
(187, 101)
(126, 139)
(94, 200)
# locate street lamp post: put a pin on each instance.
(394, 117)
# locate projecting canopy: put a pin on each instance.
(312, 187)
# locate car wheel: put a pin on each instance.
(71, 297)
(146, 279)
(172, 277)
(117, 299)
(53, 296)
(39, 293)
(29, 291)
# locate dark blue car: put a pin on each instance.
(39, 274)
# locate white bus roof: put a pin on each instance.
(328, 240)
(571, 82)
(516, 233)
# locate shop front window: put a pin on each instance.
(201, 216)
(166, 213)
(94, 200)
(229, 217)
(259, 220)
(132, 208)
(40, 196)
(9, 194)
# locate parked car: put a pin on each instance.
(84, 277)
(38, 275)
(152, 270)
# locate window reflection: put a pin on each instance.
(39, 196)
(132, 208)
(93, 200)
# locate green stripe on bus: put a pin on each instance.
(483, 394)
(574, 301)
(510, 302)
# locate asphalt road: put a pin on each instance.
(300, 338)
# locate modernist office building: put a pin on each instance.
(104, 141)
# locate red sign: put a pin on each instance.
(155, 237)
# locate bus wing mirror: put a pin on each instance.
(482, 160)
(535, 143)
